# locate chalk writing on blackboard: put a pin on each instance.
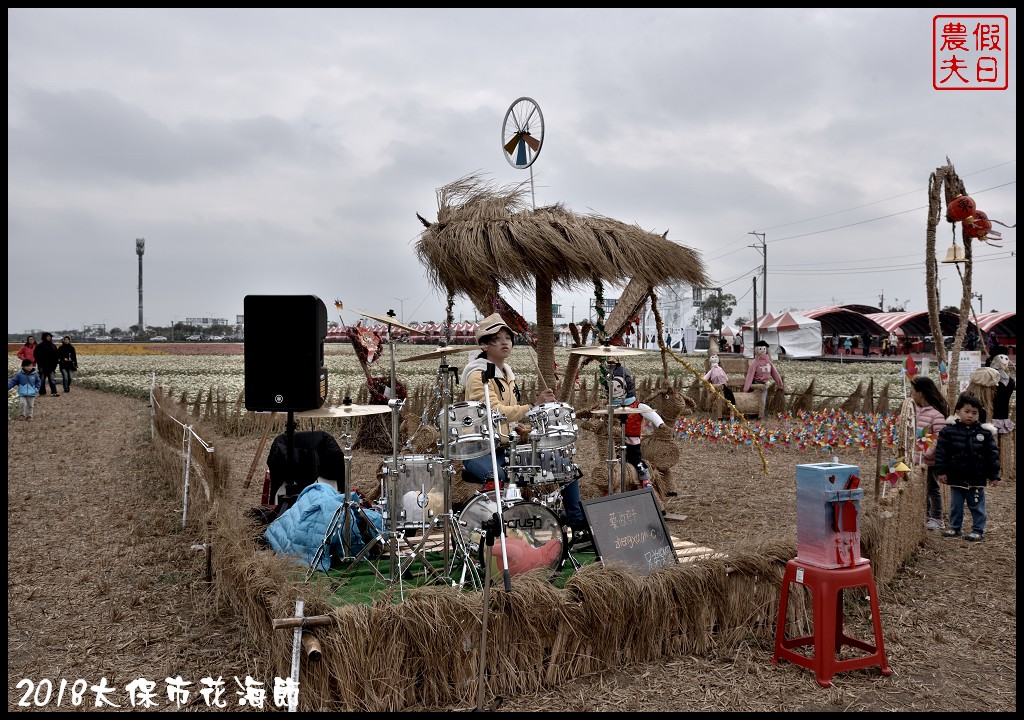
(628, 527)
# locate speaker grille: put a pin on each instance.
(284, 352)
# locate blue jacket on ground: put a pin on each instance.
(28, 383)
(300, 529)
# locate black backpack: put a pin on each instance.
(315, 454)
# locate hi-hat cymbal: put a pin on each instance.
(440, 352)
(607, 351)
(618, 411)
(338, 411)
(389, 321)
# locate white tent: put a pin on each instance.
(764, 332)
(798, 334)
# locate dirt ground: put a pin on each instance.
(103, 583)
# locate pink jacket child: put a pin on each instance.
(761, 368)
(929, 420)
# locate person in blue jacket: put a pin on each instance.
(28, 382)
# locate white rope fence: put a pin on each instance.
(185, 451)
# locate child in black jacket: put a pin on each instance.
(967, 459)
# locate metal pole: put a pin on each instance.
(764, 271)
(140, 248)
(755, 313)
(719, 318)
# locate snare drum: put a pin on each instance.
(469, 430)
(533, 536)
(419, 486)
(548, 466)
(555, 422)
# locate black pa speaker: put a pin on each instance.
(284, 352)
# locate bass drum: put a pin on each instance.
(533, 536)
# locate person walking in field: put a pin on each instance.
(67, 358)
(28, 350)
(28, 382)
(46, 362)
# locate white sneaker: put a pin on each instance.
(934, 524)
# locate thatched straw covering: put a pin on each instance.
(487, 236)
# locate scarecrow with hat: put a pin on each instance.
(761, 369)
(623, 394)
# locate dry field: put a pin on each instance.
(102, 583)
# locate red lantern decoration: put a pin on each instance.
(960, 208)
(977, 226)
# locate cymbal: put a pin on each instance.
(440, 352)
(338, 411)
(618, 411)
(389, 321)
(606, 351)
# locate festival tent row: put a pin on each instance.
(798, 334)
(461, 333)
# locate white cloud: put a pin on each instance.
(287, 151)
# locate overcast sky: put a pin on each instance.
(288, 151)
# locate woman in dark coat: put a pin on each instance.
(68, 361)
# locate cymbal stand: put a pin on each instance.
(395, 403)
(448, 376)
(612, 461)
(498, 497)
(346, 514)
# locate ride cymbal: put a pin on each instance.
(606, 351)
(618, 411)
(344, 411)
(440, 352)
(387, 320)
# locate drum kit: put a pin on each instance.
(415, 497)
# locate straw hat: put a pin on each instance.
(490, 325)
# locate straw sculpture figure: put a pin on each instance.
(803, 402)
(882, 406)
(856, 399)
(486, 235)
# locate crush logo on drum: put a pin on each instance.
(527, 523)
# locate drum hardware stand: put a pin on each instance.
(498, 496)
(614, 460)
(346, 514)
(490, 527)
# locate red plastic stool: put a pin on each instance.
(826, 586)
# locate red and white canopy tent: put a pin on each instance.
(763, 333)
(1003, 325)
(798, 334)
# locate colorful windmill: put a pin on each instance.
(522, 133)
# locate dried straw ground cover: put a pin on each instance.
(102, 581)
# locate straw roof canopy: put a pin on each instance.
(487, 237)
(485, 234)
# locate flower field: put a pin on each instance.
(194, 368)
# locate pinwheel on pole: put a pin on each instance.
(522, 136)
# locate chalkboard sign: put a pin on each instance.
(629, 528)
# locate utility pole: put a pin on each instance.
(719, 315)
(881, 301)
(140, 248)
(755, 313)
(401, 305)
(763, 249)
(978, 295)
